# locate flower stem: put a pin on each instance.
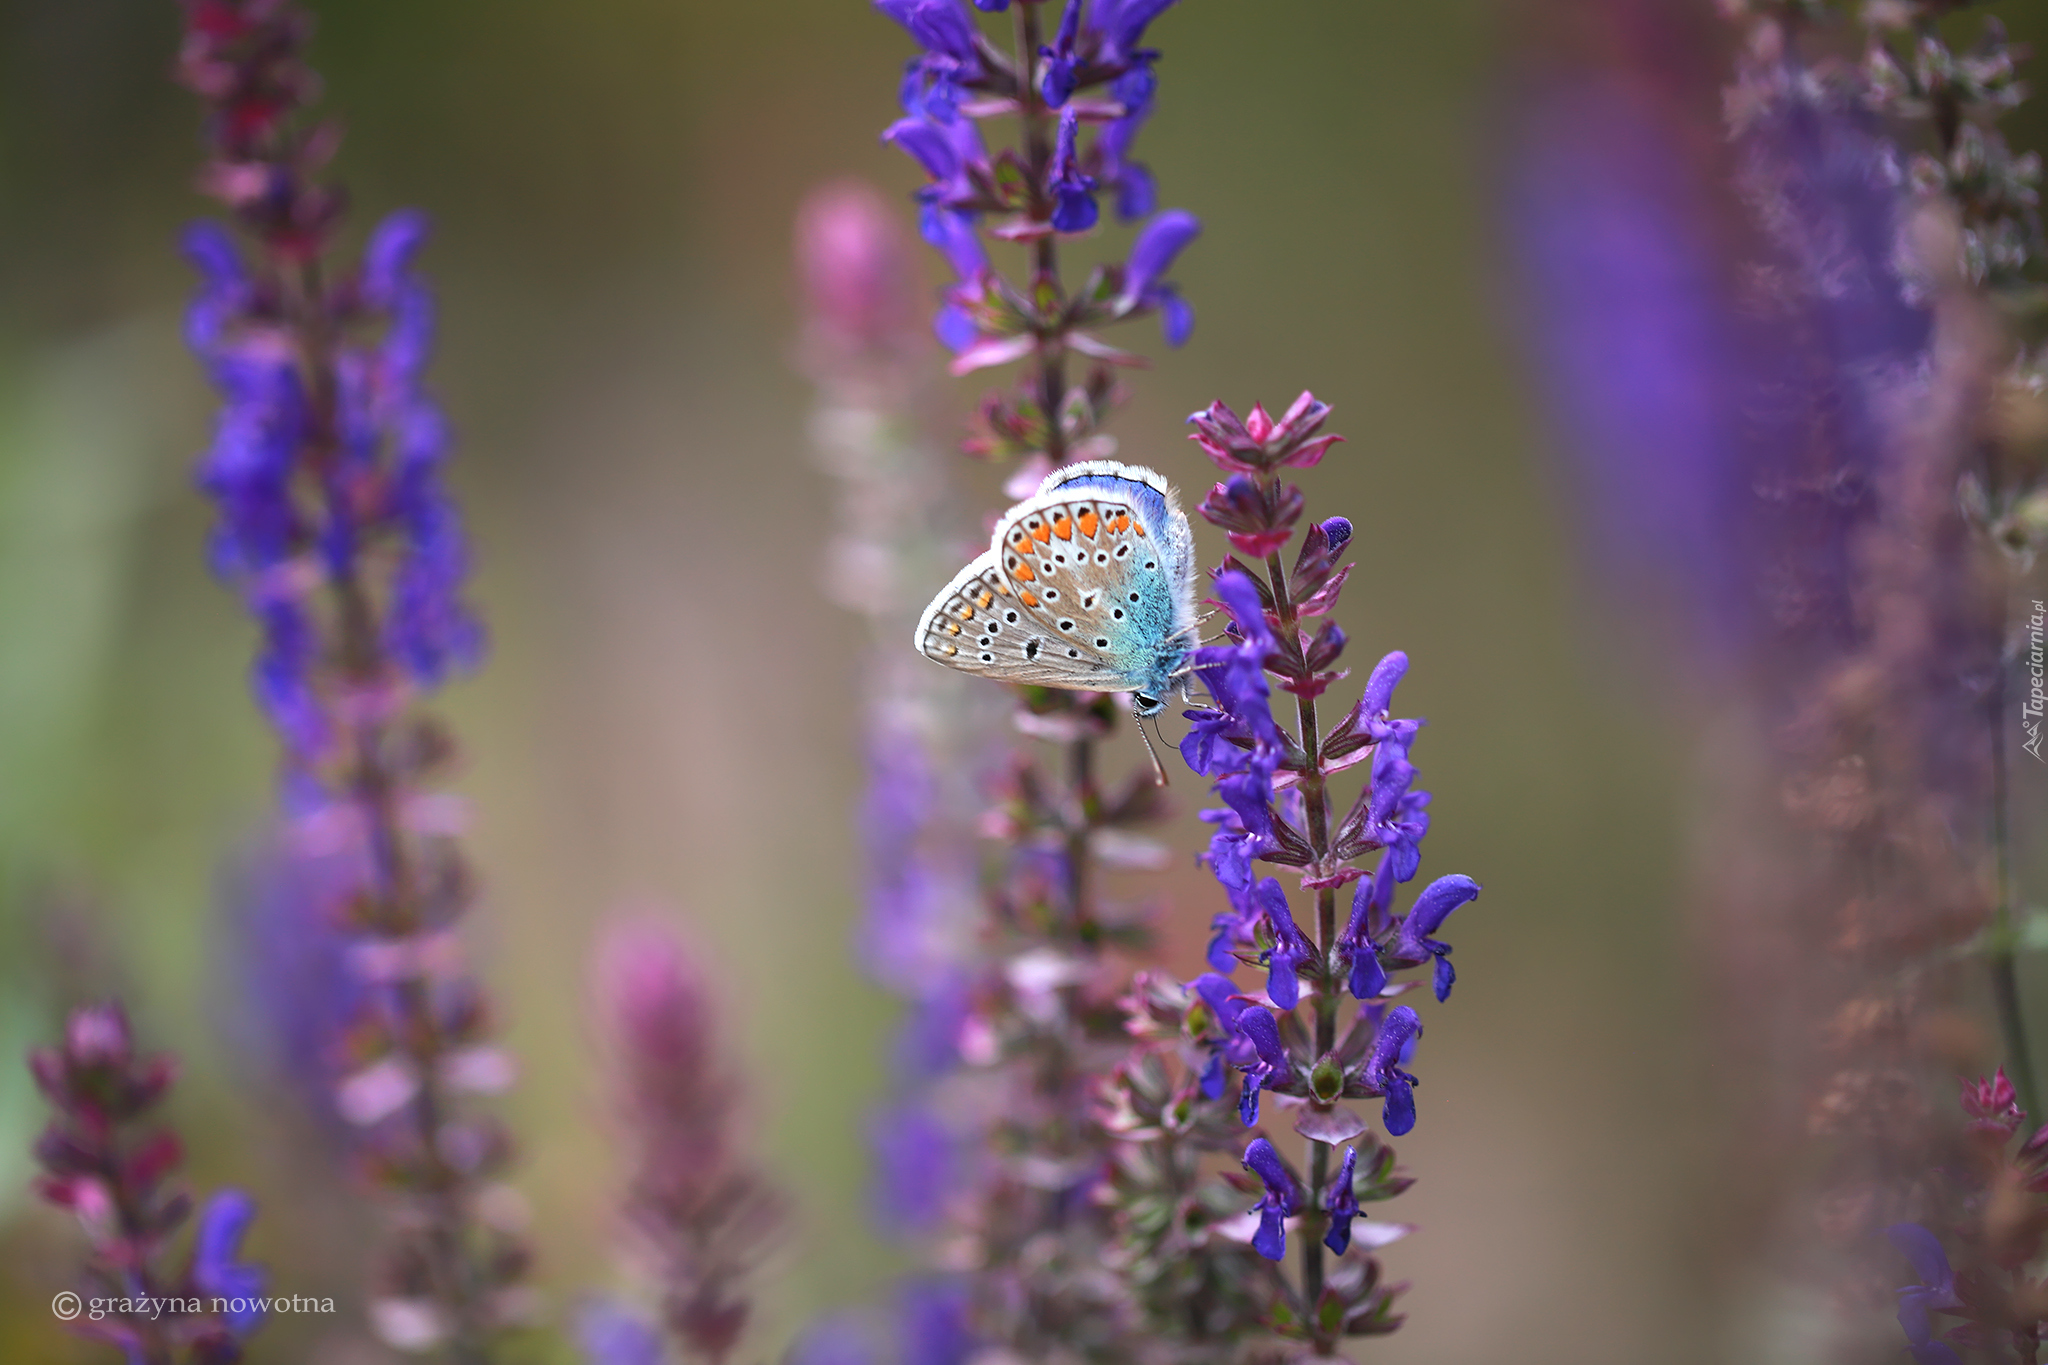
(2004, 935)
(1315, 799)
(1045, 265)
(393, 911)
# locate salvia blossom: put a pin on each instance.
(1825, 438)
(1282, 1198)
(335, 527)
(1274, 786)
(701, 1216)
(104, 1158)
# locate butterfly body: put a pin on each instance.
(1088, 584)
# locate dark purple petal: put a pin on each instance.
(216, 1249)
(926, 143)
(1342, 1204)
(1337, 530)
(1923, 1250)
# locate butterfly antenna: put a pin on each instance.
(1158, 768)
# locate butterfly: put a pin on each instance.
(1088, 584)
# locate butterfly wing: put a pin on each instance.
(1088, 584)
(979, 623)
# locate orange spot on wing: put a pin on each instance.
(1140, 530)
(1063, 526)
(1088, 522)
(985, 598)
(1023, 571)
(1028, 598)
(1040, 534)
(1122, 522)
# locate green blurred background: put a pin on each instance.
(664, 719)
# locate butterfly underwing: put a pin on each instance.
(1088, 584)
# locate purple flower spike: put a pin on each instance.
(1073, 193)
(1291, 948)
(1158, 244)
(1392, 1047)
(1268, 1061)
(1936, 1291)
(1342, 1204)
(215, 1267)
(1058, 83)
(1282, 1198)
(1442, 896)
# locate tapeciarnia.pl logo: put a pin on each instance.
(2037, 675)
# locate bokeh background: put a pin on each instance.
(665, 720)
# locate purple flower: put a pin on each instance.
(1057, 84)
(611, 1334)
(1158, 243)
(944, 150)
(933, 1321)
(1268, 1059)
(913, 1161)
(1414, 943)
(1337, 531)
(1228, 1046)
(838, 1339)
(1282, 1198)
(1397, 818)
(1936, 1292)
(1342, 1204)
(1122, 24)
(1368, 912)
(1229, 857)
(939, 26)
(1391, 1048)
(1291, 948)
(1136, 194)
(1073, 193)
(216, 1269)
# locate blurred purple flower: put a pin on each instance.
(1935, 1293)
(1158, 244)
(611, 1334)
(933, 1322)
(1136, 194)
(914, 1161)
(1073, 192)
(1057, 84)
